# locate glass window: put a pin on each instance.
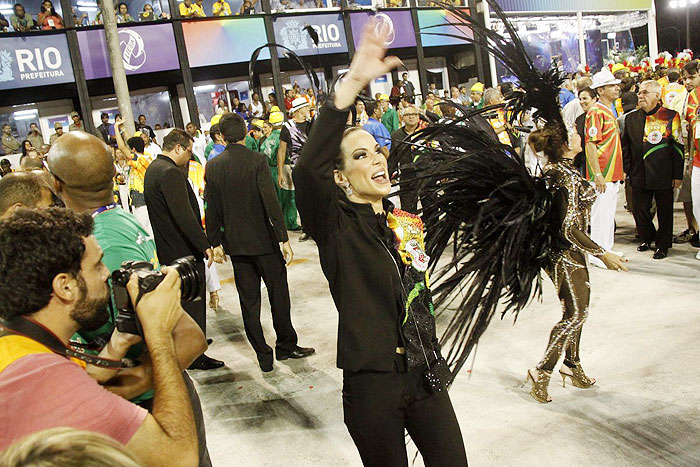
(292, 5)
(430, 3)
(219, 8)
(33, 15)
(155, 106)
(87, 12)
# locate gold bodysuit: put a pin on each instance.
(573, 198)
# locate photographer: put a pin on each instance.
(57, 285)
(82, 169)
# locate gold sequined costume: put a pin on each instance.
(573, 198)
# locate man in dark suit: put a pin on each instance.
(244, 219)
(409, 89)
(652, 156)
(174, 214)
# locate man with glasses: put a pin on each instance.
(401, 155)
(176, 221)
(653, 160)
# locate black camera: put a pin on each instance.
(127, 320)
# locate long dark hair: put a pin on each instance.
(24, 146)
(43, 10)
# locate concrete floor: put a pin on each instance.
(640, 342)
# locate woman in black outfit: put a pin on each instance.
(373, 258)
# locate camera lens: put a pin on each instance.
(192, 281)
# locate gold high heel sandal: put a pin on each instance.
(540, 382)
(214, 300)
(577, 375)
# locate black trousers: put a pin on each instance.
(248, 270)
(379, 406)
(643, 217)
(198, 309)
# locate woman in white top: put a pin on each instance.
(256, 108)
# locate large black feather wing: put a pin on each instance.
(482, 207)
(480, 203)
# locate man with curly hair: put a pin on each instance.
(58, 283)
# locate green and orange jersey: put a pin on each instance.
(602, 130)
(664, 125)
(691, 116)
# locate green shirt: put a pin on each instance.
(251, 143)
(121, 238)
(270, 147)
(390, 119)
(208, 149)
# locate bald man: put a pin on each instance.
(30, 163)
(82, 170)
(23, 190)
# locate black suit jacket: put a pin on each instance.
(650, 166)
(241, 200)
(173, 211)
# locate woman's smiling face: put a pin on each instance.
(364, 167)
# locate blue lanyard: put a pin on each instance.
(103, 209)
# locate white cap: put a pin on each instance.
(298, 103)
(603, 78)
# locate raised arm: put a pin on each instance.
(120, 141)
(168, 436)
(316, 192)
(578, 239)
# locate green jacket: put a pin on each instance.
(270, 147)
(251, 143)
(390, 119)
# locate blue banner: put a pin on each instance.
(34, 61)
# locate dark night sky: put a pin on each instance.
(670, 25)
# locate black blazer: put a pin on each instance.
(360, 269)
(241, 199)
(173, 211)
(651, 166)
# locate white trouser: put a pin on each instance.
(695, 191)
(141, 214)
(213, 284)
(603, 216)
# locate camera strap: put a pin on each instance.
(35, 331)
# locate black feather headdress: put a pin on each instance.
(481, 204)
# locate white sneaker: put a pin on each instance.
(697, 256)
(597, 262)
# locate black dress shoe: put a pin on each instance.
(265, 362)
(205, 363)
(644, 247)
(695, 241)
(298, 352)
(661, 253)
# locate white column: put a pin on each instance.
(651, 26)
(492, 60)
(581, 39)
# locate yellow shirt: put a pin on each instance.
(13, 347)
(193, 10)
(221, 8)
